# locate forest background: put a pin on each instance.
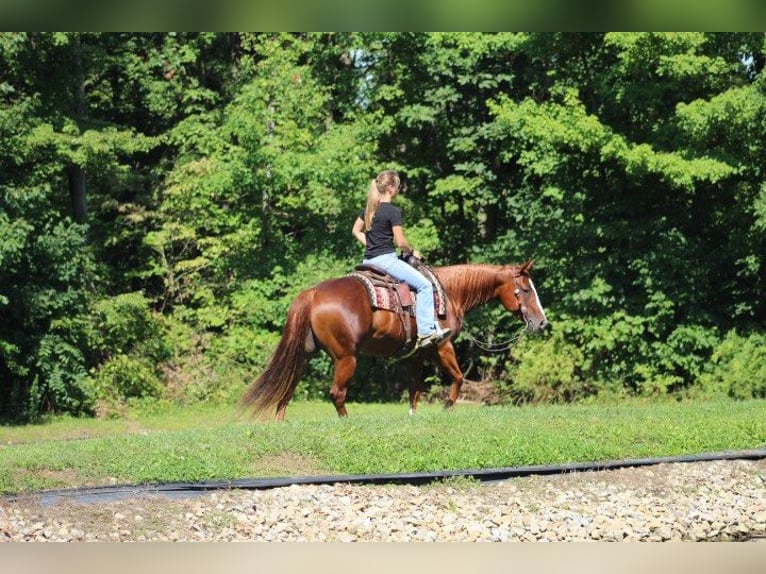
(163, 197)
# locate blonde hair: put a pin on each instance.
(377, 188)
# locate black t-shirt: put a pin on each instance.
(380, 236)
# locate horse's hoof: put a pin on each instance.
(448, 404)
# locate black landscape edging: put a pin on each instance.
(186, 489)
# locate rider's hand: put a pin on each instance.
(417, 254)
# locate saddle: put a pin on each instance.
(390, 294)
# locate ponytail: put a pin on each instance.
(373, 201)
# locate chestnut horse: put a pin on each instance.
(335, 315)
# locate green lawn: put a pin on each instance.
(216, 442)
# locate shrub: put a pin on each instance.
(126, 324)
(738, 367)
(546, 370)
(609, 346)
(61, 385)
(124, 377)
(677, 362)
(128, 342)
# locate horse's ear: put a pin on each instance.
(527, 266)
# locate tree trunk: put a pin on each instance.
(77, 189)
(76, 173)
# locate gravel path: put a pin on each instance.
(719, 500)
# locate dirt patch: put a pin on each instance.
(480, 392)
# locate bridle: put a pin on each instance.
(522, 307)
(505, 345)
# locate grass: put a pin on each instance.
(214, 442)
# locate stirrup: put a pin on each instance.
(422, 343)
(442, 335)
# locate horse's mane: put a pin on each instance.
(469, 285)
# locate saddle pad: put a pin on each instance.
(382, 297)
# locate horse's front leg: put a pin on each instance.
(448, 363)
(344, 370)
(414, 382)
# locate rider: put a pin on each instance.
(378, 227)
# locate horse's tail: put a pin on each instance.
(275, 387)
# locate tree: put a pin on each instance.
(202, 179)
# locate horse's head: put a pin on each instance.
(517, 294)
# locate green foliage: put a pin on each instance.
(164, 196)
(425, 236)
(759, 208)
(683, 357)
(738, 368)
(546, 371)
(124, 377)
(129, 343)
(62, 381)
(45, 280)
(125, 324)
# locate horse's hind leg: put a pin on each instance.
(414, 380)
(344, 370)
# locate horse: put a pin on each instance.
(336, 316)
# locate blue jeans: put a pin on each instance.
(424, 308)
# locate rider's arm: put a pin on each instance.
(402, 243)
(400, 240)
(358, 231)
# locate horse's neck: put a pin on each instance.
(469, 286)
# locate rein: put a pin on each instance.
(495, 347)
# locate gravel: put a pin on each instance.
(700, 501)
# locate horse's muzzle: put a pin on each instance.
(534, 325)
